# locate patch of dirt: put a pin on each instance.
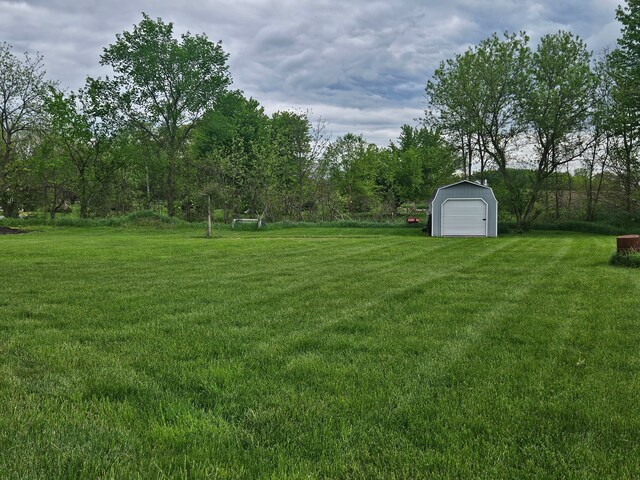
(10, 231)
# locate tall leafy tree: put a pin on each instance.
(231, 148)
(291, 137)
(622, 118)
(82, 136)
(51, 174)
(353, 165)
(424, 160)
(627, 56)
(509, 97)
(23, 87)
(556, 108)
(478, 93)
(163, 86)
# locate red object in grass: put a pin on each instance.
(413, 220)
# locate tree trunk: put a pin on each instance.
(590, 196)
(628, 185)
(8, 205)
(52, 211)
(300, 200)
(482, 160)
(171, 184)
(84, 208)
(470, 153)
(569, 189)
(519, 222)
(208, 216)
(464, 155)
(557, 198)
(148, 189)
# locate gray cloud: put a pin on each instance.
(361, 65)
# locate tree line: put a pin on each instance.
(551, 128)
(538, 116)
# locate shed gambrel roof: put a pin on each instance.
(475, 184)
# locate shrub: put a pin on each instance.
(142, 218)
(631, 259)
(576, 226)
(344, 224)
(149, 218)
(248, 226)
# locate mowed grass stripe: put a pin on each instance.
(539, 369)
(443, 384)
(439, 360)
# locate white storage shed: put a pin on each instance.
(464, 209)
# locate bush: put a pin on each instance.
(631, 259)
(580, 227)
(142, 218)
(149, 218)
(345, 224)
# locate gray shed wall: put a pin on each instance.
(464, 190)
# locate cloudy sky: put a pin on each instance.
(361, 65)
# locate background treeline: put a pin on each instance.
(551, 128)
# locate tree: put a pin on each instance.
(627, 56)
(22, 90)
(556, 108)
(622, 70)
(525, 108)
(594, 164)
(353, 165)
(163, 86)
(424, 160)
(82, 136)
(478, 94)
(597, 158)
(51, 173)
(291, 137)
(230, 146)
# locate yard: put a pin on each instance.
(316, 352)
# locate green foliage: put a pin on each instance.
(515, 196)
(162, 86)
(142, 218)
(617, 117)
(627, 56)
(234, 117)
(163, 131)
(560, 94)
(231, 147)
(501, 94)
(631, 259)
(420, 162)
(352, 164)
(23, 87)
(81, 139)
(145, 218)
(566, 226)
(291, 163)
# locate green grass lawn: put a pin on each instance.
(302, 352)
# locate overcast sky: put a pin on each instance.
(361, 65)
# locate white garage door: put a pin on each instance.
(464, 217)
